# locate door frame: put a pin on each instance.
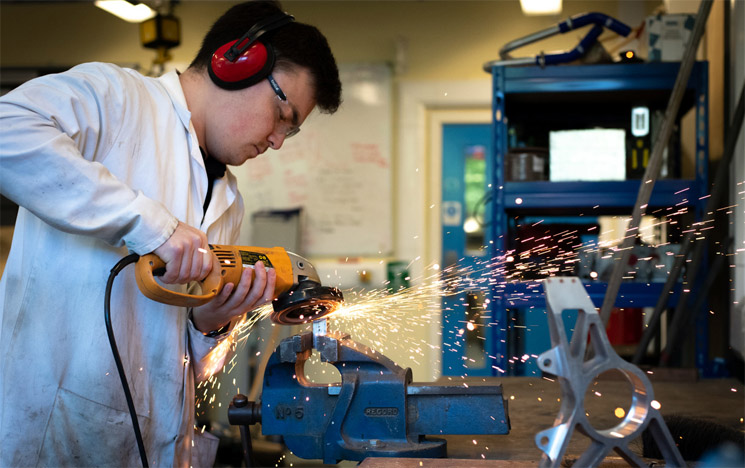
(412, 180)
(437, 118)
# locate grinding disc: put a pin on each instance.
(306, 302)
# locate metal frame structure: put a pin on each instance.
(566, 360)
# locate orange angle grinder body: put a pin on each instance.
(299, 295)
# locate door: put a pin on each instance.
(466, 165)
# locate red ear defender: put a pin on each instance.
(246, 61)
(249, 68)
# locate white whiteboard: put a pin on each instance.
(337, 169)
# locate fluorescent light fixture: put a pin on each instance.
(126, 11)
(540, 7)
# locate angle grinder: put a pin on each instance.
(299, 295)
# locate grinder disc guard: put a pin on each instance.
(306, 302)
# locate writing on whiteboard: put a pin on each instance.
(337, 170)
(368, 153)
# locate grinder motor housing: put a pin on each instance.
(299, 295)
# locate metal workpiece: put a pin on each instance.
(289, 348)
(576, 373)
(375, 411)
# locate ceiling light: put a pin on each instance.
(541, 7)
(126, 10)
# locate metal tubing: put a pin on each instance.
(509, 62)
(504, 52)
(584, 45)
(600, 20)
(653, 168)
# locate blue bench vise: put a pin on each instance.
(376, 410)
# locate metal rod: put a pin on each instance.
(676, 338)
(719, 184)
(672, 278)
(653, 167)
(247, 447)
(682, 312)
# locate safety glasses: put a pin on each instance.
(291, 130)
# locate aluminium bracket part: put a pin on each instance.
(566, 360)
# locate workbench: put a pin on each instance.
(533, 405)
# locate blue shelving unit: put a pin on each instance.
(530, 294)
(594, 86)
(555, 196)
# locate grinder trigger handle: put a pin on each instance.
(148, 267)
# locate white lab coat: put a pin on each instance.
(102, 161)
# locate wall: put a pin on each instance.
(438, 39)
(436, 49)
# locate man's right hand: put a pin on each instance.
(186, 255)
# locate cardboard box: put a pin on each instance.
(667, 36)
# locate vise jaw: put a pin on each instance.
(376, 410)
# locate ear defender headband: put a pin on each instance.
(248, 60)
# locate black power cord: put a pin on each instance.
(132, 258)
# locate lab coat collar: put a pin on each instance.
(173, 87)
(222, 197)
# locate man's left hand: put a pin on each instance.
(255, 288)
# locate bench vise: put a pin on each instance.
(376, 410)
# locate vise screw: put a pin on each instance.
(376, 410)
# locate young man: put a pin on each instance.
(102, 162)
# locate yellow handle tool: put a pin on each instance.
(299, 295)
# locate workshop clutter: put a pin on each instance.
(541, 249)
(625, 326)
(526, 164)
(600, 152)
(603, 153)
(646, 263)
(645, 126)
(667, 36)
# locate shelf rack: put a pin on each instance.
(579, 88)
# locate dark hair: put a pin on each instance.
(294, 44)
